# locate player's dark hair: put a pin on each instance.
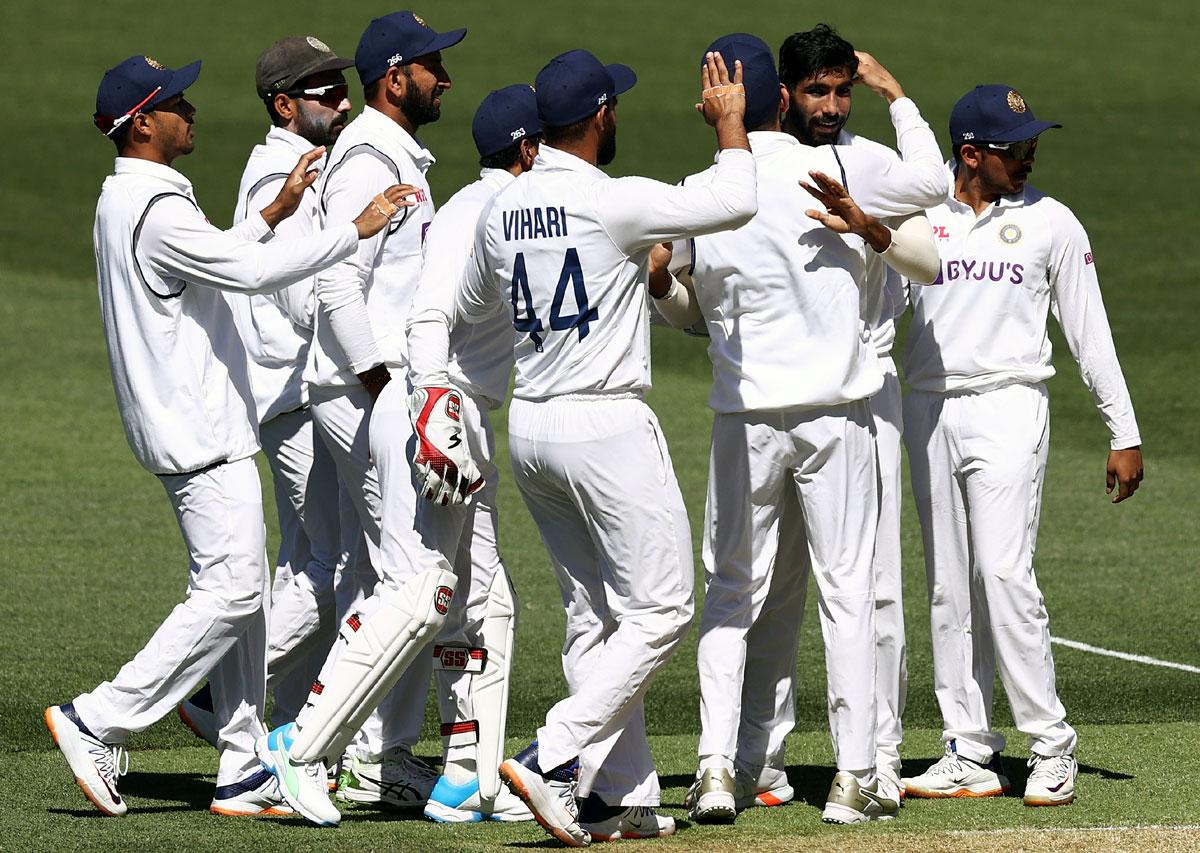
(803, 55)
(120, 136)
(957, 149)
(558, 136)
(371, 90)
(276, 119)
(509, 156)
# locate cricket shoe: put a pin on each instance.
(851, 802)
(95, 764)
(450, 803)
(1051, 780)
(955, 775)
(398, 780)
(304, 787)
(549, 796)
(892, 776)
(768, 787)
(196, 712)
(613, 823)
(712, 798)
(257, 794)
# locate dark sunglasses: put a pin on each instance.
(1022, 150)
(331, 93)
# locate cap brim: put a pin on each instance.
(180, 80)
(444, 40)
(1025, 131)
(623, 77)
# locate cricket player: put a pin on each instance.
(179, 372)
(820, 70)
(363, 417)
(470, 364)
(793, 371)
(976, 425)
(565, 248)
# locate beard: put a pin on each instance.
(420, 107)
(316, 130)
(808, 131)
(608, 147)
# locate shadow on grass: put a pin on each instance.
(809, 781)
(1017, 771)
(548, 842)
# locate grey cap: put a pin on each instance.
(292, 59)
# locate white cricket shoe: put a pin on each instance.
(399, 780)
(712, 797)
(304, 787)
(257, 794)
(850, 802)
(95, 764)
(196, 712)
(956, 776)
(768, 787)
(1051, 781)
(450, 803)
(550, 796)
(613, 823)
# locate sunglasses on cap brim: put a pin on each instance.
(108, 125)
(1022, 150)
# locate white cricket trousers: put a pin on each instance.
(344, 418)
(302, 623)
(597, 479)
(978, 462)
(218, 630)
(826, 458)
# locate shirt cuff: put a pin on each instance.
(903, 108)
(735, 153)
(1125, 442)
(257, 227)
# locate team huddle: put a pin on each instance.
(362, 341)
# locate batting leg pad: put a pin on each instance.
(482, 674)
(376, 651)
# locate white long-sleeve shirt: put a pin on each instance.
(178, 365)
(983, 323)
(566, 249)
(276, 327)
(363, 302)
(477, 357)
(781, 295)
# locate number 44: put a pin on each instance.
(572, 273)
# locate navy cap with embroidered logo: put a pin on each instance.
(137, 85)
(398, 39)
(994, 113)
(574, 85)
(505, 117)
(759, 76)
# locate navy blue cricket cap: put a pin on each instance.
(398, 39)
(574, 85)
(505, 117)
(994, 113)
(758, 74)
(136, 85)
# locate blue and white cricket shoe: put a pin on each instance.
(450, 803)
(304, 787)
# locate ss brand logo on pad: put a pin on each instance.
(441, 599)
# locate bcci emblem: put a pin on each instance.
(420, 20)
(1015, 102)
(1010, 234)
(317, 44)
(441, 599)
(153, 63)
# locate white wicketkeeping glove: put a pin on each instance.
(446, 474)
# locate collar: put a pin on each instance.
(550, 158)
(767, 141)
(381, 124)
(279, 137)
(150, 169)
(1004, 201)
(499, 178)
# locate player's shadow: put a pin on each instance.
(1017, 771)
(553, 843)
(188, 792)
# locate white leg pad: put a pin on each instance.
(489, 689)
(376, 652)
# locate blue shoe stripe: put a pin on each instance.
(244, 786)
(451, 795)
(68, 711)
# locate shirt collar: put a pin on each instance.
(297, 143)
(138, 166)
(550, 158)
(383, 125)
(766, 141)
(499, 178)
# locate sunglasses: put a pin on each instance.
(332, 93)
(1022, 150)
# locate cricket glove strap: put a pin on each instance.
(446, 474)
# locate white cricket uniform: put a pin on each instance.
(793, 368)
(477, 358)
(567, 249)
(362, 306)
(276, 329)
(977, 431)
(182, 388)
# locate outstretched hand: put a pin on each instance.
(720, 96)
(376, 215)
(842, 214)
(298, 180)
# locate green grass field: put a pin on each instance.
(91, 560)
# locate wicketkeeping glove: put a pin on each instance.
(446, 474)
